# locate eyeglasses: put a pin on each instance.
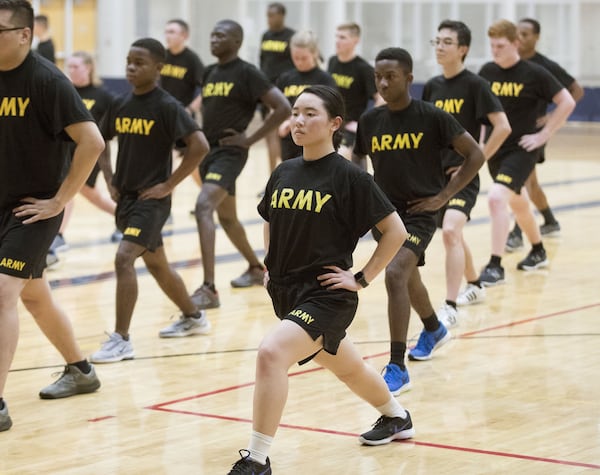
(2, 30)
(443, 42)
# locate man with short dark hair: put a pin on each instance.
(469, 99)
(275, 59)
(231, 91)
(41, 112)
(405, 139)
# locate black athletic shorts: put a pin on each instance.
(222, 166)
(317, 310)
(421, 227)
(463, 201)
(23, 247)
(91, 181)
(512, 167)
(141, 221)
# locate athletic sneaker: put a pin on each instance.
(71, 382)
(187, 326)
(387, 429)
(252, 276)
(550, 229)
(114, 349)
(116, 236)
(396, 378)
(534, 260)
(429, 342)
(5, 420)
(472, 294)
(203, 297)
(59, 244)
(51, 258)
(491, 275)
(514, 242)
(448, 315)
(250, 467)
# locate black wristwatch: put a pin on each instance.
(360, 278)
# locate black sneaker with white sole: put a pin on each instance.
(387, 429)
(536, 259)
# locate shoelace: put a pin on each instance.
(60, 373)
(239, 466)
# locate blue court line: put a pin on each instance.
(235, 256)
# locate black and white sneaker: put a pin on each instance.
(387, 429)
(534, 260)
(492, 275)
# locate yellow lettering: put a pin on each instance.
(343, 81)
(88, 103)
(13, 264)
(416, 139)
(217, 89)
(501, 177)
(213, 176)
(457, 202)
(402, 141)
(130, 231)
(509, 89)
(303, 200)
(274, 46)
(284, 198)
(321, 200)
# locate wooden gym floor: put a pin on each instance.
(515, 391)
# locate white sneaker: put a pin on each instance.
(187, 326)
(472, 294)
(448, 315)
(114, 349)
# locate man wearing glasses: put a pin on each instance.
(470, 100)
(40, 111)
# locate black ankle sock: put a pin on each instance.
(495, 261)
(196, 314)
(451, 303)
(431, 323)
(475, 282)
(548, 216)
(537, 247)
(398, 349)
(210, 285)
(1, 403)
(83, 366)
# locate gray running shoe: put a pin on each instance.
(514, 242)
(550, 229)
(5, 420)
(204, 298)
(492, 275)
(187, 326)
(252, 276)
(534, 260)
(71, 382)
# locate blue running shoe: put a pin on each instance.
(396, 378)
(428, 343)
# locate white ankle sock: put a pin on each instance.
(392, 408)
(259, 447)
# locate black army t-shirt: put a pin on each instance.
(230, 93)
(181, 75)
(521, 89)
(406, 149)
(355, 81)
(275, 56)
(468, 98)
(317, 211)
(147, 127)
(37, 102)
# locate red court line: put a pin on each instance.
(528, 320)
(162, 406)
